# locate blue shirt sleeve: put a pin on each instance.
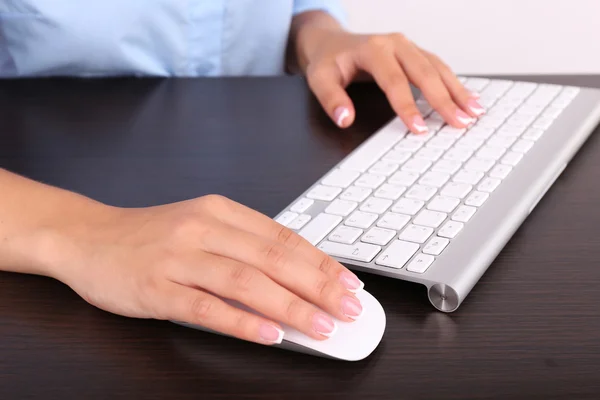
(332, 7)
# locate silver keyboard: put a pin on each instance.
(436, 209)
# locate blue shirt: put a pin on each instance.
(148, 37)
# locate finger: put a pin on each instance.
(326, 82)
(381, 63)
(284, 267)
(184, 304)
(246, 284)
(466, 99)
(245, 218)
(427, 78)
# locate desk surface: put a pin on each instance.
(529, 329)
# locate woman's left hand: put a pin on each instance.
(332, 58)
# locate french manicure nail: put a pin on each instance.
(341, 114)
(351, 282)
(419, 125)
(270, 333)
(324, 325)
(475, 107)
(351, 307)
(475, 95)
(463, 118)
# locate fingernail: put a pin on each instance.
(351, 307)
(419, 125)
(270, 333)
(351, 282)
(463, 118)
(475, 95)
(324, 325)
(475, 107)
(341, 114)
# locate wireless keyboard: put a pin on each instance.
(436, 209)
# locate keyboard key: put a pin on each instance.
(533, 134)
(287, 217)
(512, 158)
(415, 233)
(491, 153)
(417, 165)
(552, 112)
(391, 192)
(419, 192)
(409, 145)
(456, 190)
(376, 146)
(385, 168)
(393, 221)
(501, 141)
(420, 263)
(320, 226)
(451, 132)
(302, 205)
(459, 154)
(447, 166)
(376, 205)
(443, 204)
(439, 142)
(434, 179)
(488, 185)
(325, 193)
(562, 101)
(476, 84)
(543, 123)
(341, 207)
(429, 153)
(408, 206)
(528, 109)
(360, 219)
(299, 222)
(450, 229)
(432, 219)
(464, 213)
(370, 181)
(470, 142)
(435, 246)
(510, 131)
(468, 177)
(340, 178)
(489, 121)
(378, 236)
(404, 178)
(345, 234)
(500, 171)
(476, 199)
(397, 254)
(521, 120)
(397, 156)
(423, 137)
(355, 193)
(480, 132)
(522, 146)
(478, 164)
(359, 251)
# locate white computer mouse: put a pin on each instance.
(352, 341)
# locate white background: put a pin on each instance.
(492, 36)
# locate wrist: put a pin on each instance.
(309, 30)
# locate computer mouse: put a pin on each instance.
(352, 341)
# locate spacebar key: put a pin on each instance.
(319, 227)
(373, 149)
(359, 251)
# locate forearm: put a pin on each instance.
(307, 31)
(35, 223)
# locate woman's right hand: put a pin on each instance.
(173, 262)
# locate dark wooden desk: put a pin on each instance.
(530, 328)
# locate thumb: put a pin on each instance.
(326, 83)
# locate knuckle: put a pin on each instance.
(201, 308)
(243, 277)
(293, 309)
(213, 202)
(275, 256)
(323, 287)
(326, 264)
(398, 37)
(427, 72)
(393, 81)
(378, 42)
(288, 238)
